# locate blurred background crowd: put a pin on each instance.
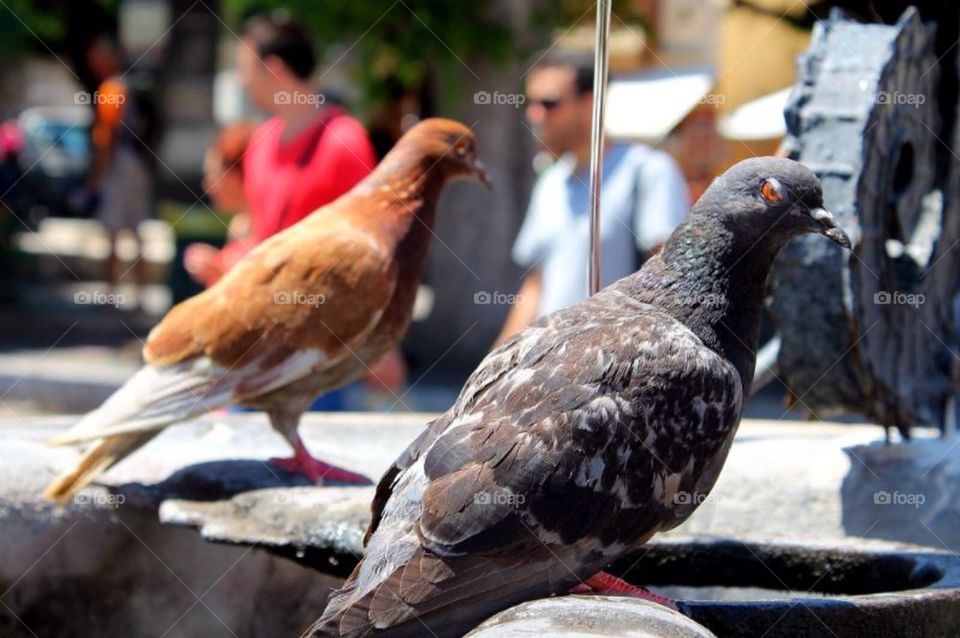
(147, 145)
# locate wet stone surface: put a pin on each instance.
(584, 616)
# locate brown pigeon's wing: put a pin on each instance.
(322, 284)
(280, 315)
(156, 397)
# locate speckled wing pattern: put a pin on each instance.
(583, 435)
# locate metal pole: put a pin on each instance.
(600, 63)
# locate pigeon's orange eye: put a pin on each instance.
(771, 190)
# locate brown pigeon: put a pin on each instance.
(587, 433)
(307, 311)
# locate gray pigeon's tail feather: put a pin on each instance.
(411, 603)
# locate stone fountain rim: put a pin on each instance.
(945, 589)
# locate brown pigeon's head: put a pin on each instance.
(771, 196)
(445, 146)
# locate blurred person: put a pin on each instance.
(644, 196)
(119, 173)
(307, 154)
(11, 144)
(223, 183)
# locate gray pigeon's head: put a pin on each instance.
(767, 194)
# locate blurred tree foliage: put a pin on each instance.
(547, 17)
(59, 27)
(397, 44)
(26, 25)
(400, 44)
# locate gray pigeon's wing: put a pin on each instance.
(598, 423)
(568, 444)
(498, 364)
(405, 460)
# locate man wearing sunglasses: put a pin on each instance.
(643, 196)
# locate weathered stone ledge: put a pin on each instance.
(815, 483)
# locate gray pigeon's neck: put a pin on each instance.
(713, 281)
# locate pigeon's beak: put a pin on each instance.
(480, 172)
(827, 226)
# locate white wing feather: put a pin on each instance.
(154, 398)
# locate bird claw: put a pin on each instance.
(604, 584)
(319, 472)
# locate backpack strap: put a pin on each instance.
(316, 134)
(639, 255)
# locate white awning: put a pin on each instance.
(648, 106)
(761, 119)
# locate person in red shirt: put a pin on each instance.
(306, 155)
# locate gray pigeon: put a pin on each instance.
(587, 433)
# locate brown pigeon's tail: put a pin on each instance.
(148, 402)
(98, 458)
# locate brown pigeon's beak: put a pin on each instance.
(828, 227)
(480, 172)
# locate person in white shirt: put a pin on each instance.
(643, 196)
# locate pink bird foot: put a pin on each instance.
(605, 584)
(319, 472)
